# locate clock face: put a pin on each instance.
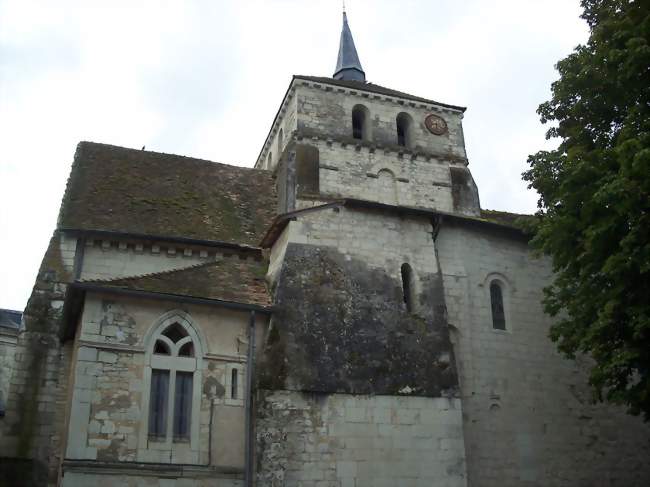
(435, 124)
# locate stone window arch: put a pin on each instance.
(498, 291)
(269, 160)
(174, 350)
(404, 126)
(497, 305)
(361, 123)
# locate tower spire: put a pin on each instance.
(348, 66)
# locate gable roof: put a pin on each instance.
(373, 88)
(142, 192)
(231, 279)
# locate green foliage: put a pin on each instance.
(595, 201)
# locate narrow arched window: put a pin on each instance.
(407, 286)
(280, 141)
(404, 125)
(269, 160)
(360, 123)
(173, 366)
(234, 383)
(498, 311)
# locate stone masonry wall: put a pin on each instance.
(8, 339)
(32, 430)
(342, 440)
(118, 479)
(380, 406)
(327, 111)
(528, 417)
(387, 177)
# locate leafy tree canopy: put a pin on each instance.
(594, 204)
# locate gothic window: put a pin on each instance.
(404, 124)
(407, 286)
(498, 311)
(173, 366)
(360, 123)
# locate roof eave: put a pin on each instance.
(172, 297)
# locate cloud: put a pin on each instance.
(205, 78)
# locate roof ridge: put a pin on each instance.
(150, 274)
(181, 156)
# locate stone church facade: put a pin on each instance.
(342, 315)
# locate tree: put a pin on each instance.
(594, 205)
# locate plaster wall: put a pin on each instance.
(104, 259)
(108, 405)
(343, 440)
(528, 417)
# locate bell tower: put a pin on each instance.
(345, 137)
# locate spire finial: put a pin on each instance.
(348, 66)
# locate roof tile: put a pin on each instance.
(134, 191)
(231, 279)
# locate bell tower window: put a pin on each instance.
(404, 125)
(360, 123)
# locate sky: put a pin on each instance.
(204, 78)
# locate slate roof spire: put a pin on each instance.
(348, 66)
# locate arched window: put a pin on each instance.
(280, 141)
(269, 160)
(404, 124)
(407, 286)
(234, 383)
(498, 311)
(360, 123)
(173, 357)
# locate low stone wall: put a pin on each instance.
(140, 480)
(344, 440)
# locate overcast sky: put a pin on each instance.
(205, 78)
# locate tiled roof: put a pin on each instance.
(373, 88)
(135, 191)
(10, 318)
(231, 279)
(515, 220)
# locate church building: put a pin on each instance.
(344, 314)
